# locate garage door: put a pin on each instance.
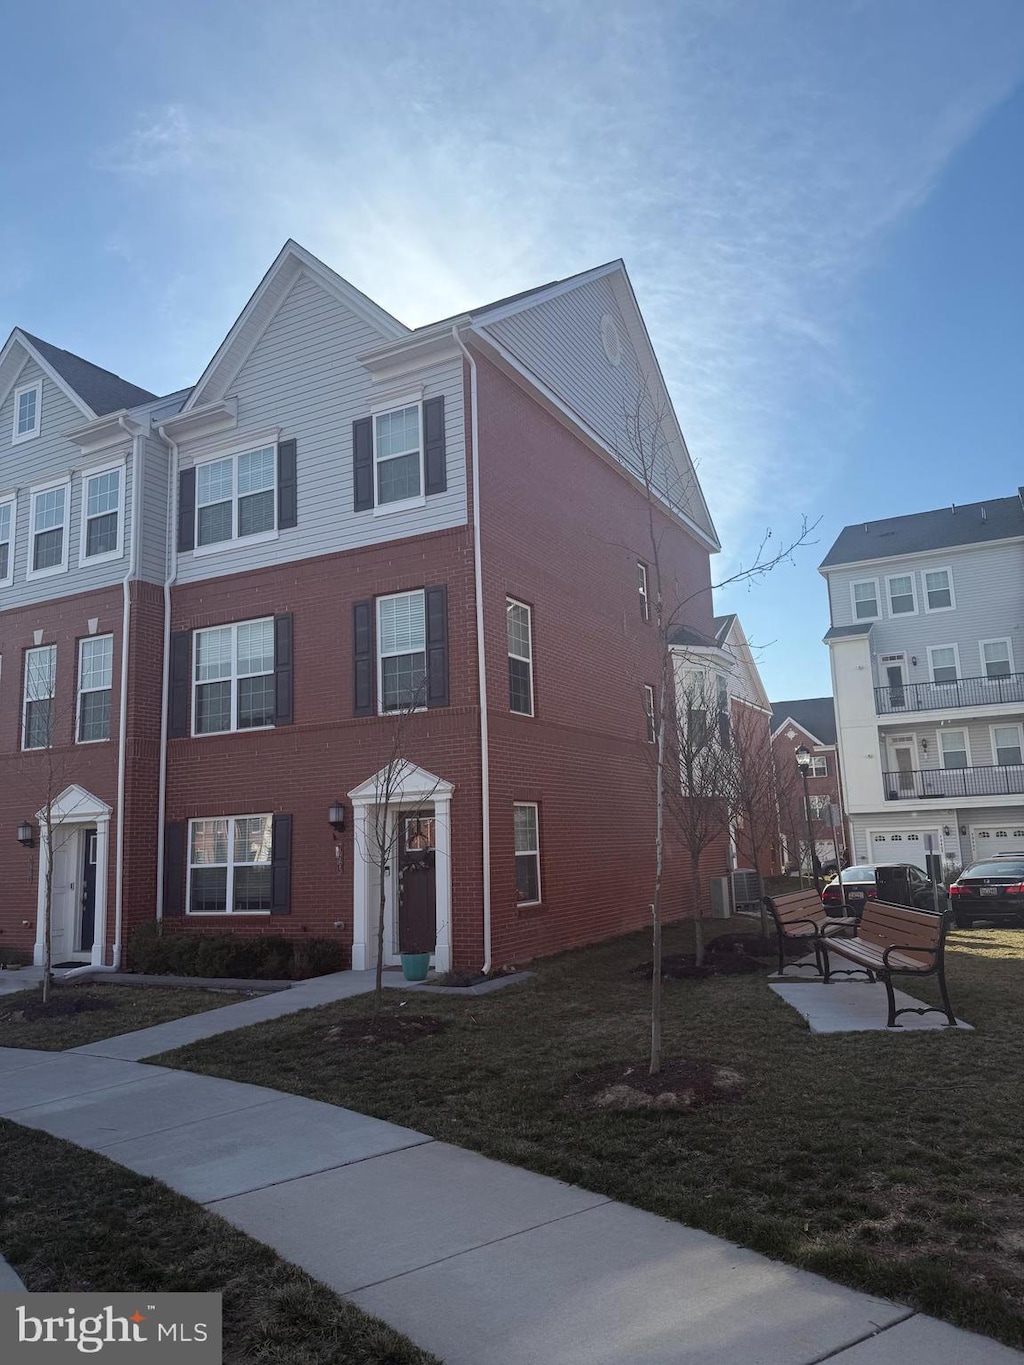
(901, 846)
(989, 839)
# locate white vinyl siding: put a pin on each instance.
(864, 595)
(229, 865)
(527, 843)
(401, 652)
(95, 681)
(233, 677)
(28, 412)
(37, 716)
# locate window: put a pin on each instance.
(40, 688)
(818, 767)
(101, 515)
(938, 590)
(28, 407)
(819, 806)
(8, 517)
(865, 600)
(234, 677)
(49, 523)
(652, 729)
(1006, 745)
(95, 676)
(398, 455)
(996, 658)
(953, 745)
(236, 496)
(902, 600)
(944, 662)
(641, 583)
(229, 865)
(401, 651)
(519, 627)
(527, 854)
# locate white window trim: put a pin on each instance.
(889, 579)
(12, 503)
(34, 493)
(231, 865)
(35, 748)
(384, 509)
(17, 439)
(235, 540)
(119, 467)
(998, 640)
(858, 582)
(234, 679)
(818, 758)
(385, 597)
(940, 568)
(81, 692)
(650, 715)
(941, 753)
(534, 852)
(931, 667)
(515, 602)
(644, 589)
(1006, 725)
(819, 805)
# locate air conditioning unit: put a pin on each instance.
(721, 900)
(746, 890)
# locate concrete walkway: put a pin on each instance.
(479, 1262)
(856, 1007)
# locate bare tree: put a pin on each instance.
(753, 789)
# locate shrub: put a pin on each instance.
(271, 957)
(318, 956)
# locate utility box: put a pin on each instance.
(893, 885)
(934, 868)
(746, 890)
(721, 901)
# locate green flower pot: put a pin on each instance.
(415, 966)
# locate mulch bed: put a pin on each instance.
(757, 945)
(57, 1007)
(683, 966)
(388, 1028)
(682, 1083)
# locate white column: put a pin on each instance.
(443, 882)
(39, 951)
(363, 954)
(99, 941)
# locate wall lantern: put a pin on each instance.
(963, 829)
(945, 830)
(25, 834)
(336, 816)
(924, 745)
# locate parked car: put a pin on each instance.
(861, 885)
(991, 889)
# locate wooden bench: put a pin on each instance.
(894, 940)
(801, 915)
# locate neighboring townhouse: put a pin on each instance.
(217, 606)
(927, 633)
(809, 723)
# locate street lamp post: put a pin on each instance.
(803, 762)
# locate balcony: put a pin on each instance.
(922, 784)
(901, 699)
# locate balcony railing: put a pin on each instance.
(900, 698)
(919, 784)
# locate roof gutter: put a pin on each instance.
(481, 653)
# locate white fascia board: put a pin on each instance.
(483, 317)
(803, 730)
(937, 552)
(114, 428)
(413, 353)
(8, 380)
(206, 420)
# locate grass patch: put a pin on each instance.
(73, 1221)
(891, 1163)
(86, 1013)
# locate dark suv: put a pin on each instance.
(860, 885)
(991, 889)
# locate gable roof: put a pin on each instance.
(973, 523)
(723, 625)
(101, 390)
(816, 716)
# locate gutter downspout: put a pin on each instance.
(481, 654)
(172, 574)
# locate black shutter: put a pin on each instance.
(433, 445)
(287, 486)
(362, 464)
(281, 866)
(187, 509)
(175, 834)
(436, 602)
(177, 699)
(283, 669)
(362, 659)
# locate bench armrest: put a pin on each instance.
(906, 948)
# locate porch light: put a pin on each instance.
(336, 816)
(25, 834)
(803, 756)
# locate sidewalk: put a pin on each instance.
(479, 1262)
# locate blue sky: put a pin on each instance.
(819, 202)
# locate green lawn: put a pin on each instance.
(73, 1221)
(86, 1013)
(890, 1162)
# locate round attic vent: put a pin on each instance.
(610, 339)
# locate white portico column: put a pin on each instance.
(39, 950)
(363, 951)
(99, 939)
(443, 880)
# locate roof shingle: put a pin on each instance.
(98, 388)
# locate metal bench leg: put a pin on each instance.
(945, 995)
(823, 963)
(891, 994)
(782, 952)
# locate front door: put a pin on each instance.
(902, 760)
(895, 682)
(417, 886)
(87, 899)
(64, 893)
